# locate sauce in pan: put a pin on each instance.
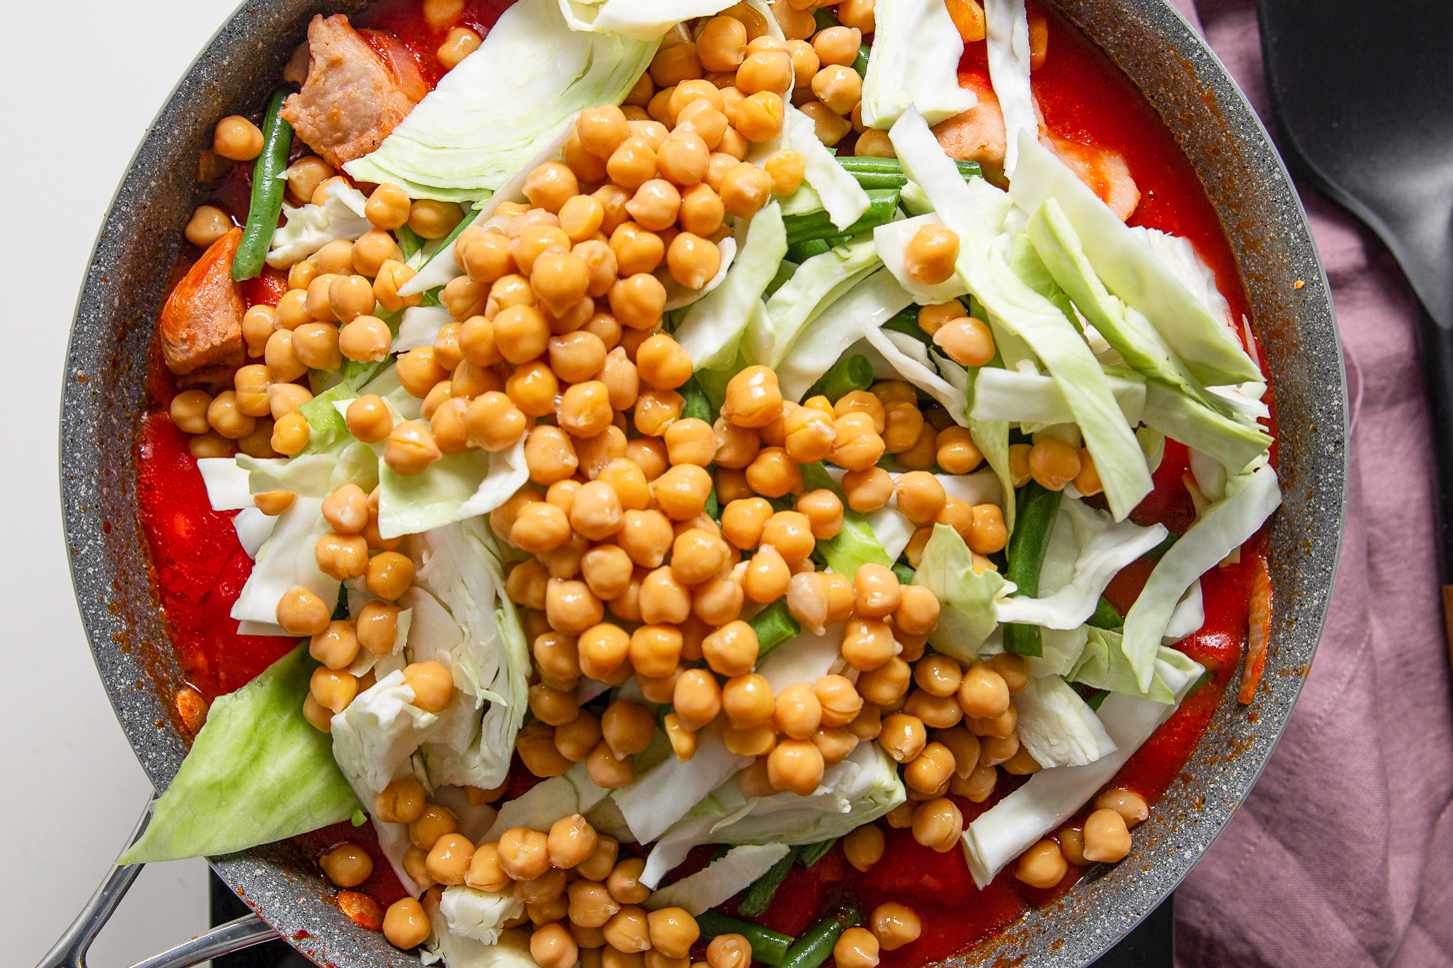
(200, 566)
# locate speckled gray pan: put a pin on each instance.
(1245, 179)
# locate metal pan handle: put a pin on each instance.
(70, 950)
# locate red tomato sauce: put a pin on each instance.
(200, 566)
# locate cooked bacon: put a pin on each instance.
(352, 98)
(1104, 170)
(1258, 633)
(978, 133)
(201, 323)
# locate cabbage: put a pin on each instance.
(804, 659)
(915, 62)
(547, 801)
(256, 773)
(868, 300)
(226, 483)
(640, 19)
(286, 559)
(838, 192)
(891, 241)
(972, 209)
(308, 228)
(1052, 796)
(374, 740)
(877, 537)
(1133, 269)
(479, 915)
(724, 877)
(1221, 529)
(1099, 550)
(992, 439)
(1176, 404)
(711, 329)
(489, 115)
(454, 488)
(858, 790)
(1007, 34)
(967, 596)
(1189, 615)
(912, 360)
(511, 950)
(1102, 665)
(679, 296)
(1019, 396)
(816, 285)
(665, 793)
(1057, 727)
(419, 326)
(253, 528)
(491, 663)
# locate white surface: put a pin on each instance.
(77, 88)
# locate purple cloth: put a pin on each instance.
(1342, 854)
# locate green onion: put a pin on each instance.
(697, 404)
(904, 573)
(887, 173)
(815, 945)
(758, 897)
(860, 63)
(1037, 509)
(768, 946)
(846, 375)
(1106, 616)
(882, 206)
(268, 186)
(773, 625)
(809, 854)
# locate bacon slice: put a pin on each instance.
(1104, 170)
(201, 323)
(978, 133)
(1258, 633)
(353, 97)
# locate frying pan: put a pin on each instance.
(105, 392)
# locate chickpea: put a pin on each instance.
(347, 865)
(797, 713)
(824, 512)
(405, 924)
(706, 121)
(433, 220)
(838, 45)
(431, 682)
(1105, 839)
(551, 946)
(692, 260)
(856, 948)
(983, 692)
(207, 224)
(790, 533)
(638, 301)
(632, 163)
(722, 46)
(336, 646)
(627, 728)
(673, 931)
(591, 904)
(627, 931)
(863, 847)
(747, 700)
(796, 765)
(301, 612)
(189, 411)
(728, 951)
(1042, 865)
(663, 599)
(584, 409)
(930, 771)
(732, 649)
(966, 340)
(602, 649)
(1130, 805)
(745, 189)
(840, 88)
(903, 737)
(957, 453)
(1053, 463)
(681, 492)
(702, 212)
(432, 823)
(828, 124)
(602, 129)
(857, 14)
(392, 276)
(988, 533)
(868, 724)
(449, 859)
(766, 70)
(857, 446)
(867, 644)
(697, 699)
(894, 924)
(237, 139)
(524, 853)
(877, 591)
(920, 496)
(551, 185)
(796, 24)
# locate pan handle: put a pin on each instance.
(70, 950)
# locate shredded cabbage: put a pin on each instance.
(1006, 26)
(454, 488)
(479, 915)
(967, 596)
(640, 19)
(489, 115)
(1050, 797)
(826, 331)
(723, 878)
(816, 285)
(664, 794)
(547, 801)
(1019, 396)
(308, 228)
(839, 192)
(1057, 727)
(1224, 526)
(915, 62)
(711, 330)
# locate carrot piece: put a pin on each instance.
(968, 17)
(1258, 633)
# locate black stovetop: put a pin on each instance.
(1148, 946)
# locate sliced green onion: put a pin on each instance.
(850, 373)
(768, 946)
(1037, 508)
(268, 185)
(882, 206)
(773, 625)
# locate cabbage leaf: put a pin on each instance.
(1006, 28)
(454, 488)
(812, 341)
(257, 772)
(915, 62)
(488, 116)
(1057, 727)
(724, 877)
(816, 285)
(841, 196)
(712, 328)
(639, 19)
(967, 596)
(308, 228)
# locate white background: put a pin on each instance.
(79, 84)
